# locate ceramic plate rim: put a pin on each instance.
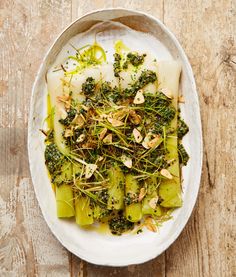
(30, 120)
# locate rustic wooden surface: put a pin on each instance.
(207, 32)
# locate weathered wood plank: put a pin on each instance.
(155, 268)
(206, 29)
(27, 247)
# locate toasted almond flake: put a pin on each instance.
(146, 140)
(127, 161)
(103, 133)
(63, 98)
(68, 104)
(89, 144)
(134, 118)
(120, 114)
(62, 112)
(153, 202)
(181, 99)
(145, 145)
(115, 122)
(66, 99)
(167, 93)
(89, 170)
(142, 193)
(150, 225)
(81, 138)
(68, 133)
(154, 142)
(79, 121)
(108, 139)
(137, 135)
(139, 97)
(166, 173)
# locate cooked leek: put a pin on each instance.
(133, 209)
(65, 201)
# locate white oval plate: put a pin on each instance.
(100, 248)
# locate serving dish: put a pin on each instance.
(95, 247)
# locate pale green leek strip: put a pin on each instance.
(170, 190)
(133, 212)
(65, 201)
(83, 211)
(55, 89)
(116, 188)
(151, 194)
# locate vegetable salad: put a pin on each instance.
(113, 138)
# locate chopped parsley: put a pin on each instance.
(183, 155)
(119, 224)
(135, 59)
(88, 88)
(146, 77)
(182, 128)
(70, 116)
(117, 65)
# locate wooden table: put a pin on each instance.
(207, 32)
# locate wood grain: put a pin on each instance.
(27, 247)
(206, 30)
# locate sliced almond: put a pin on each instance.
(150, 224)
(145, 145)
(166, 173)
(89, 170)
(62, 112)
(115, 122)
(142, 193)
(181, 99)
(137, 135)
(146, 140)
(167, 93)
(79, 121)
(63, 98)
(154, 142)
(139, 97)
(108, 139)
(68, 133)
(103, 133)
(153, 203)
(120, 114)
(81, 138)
(127, 161)
(66, 99)
(89, 144)
(135, 118)
(68, 104)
